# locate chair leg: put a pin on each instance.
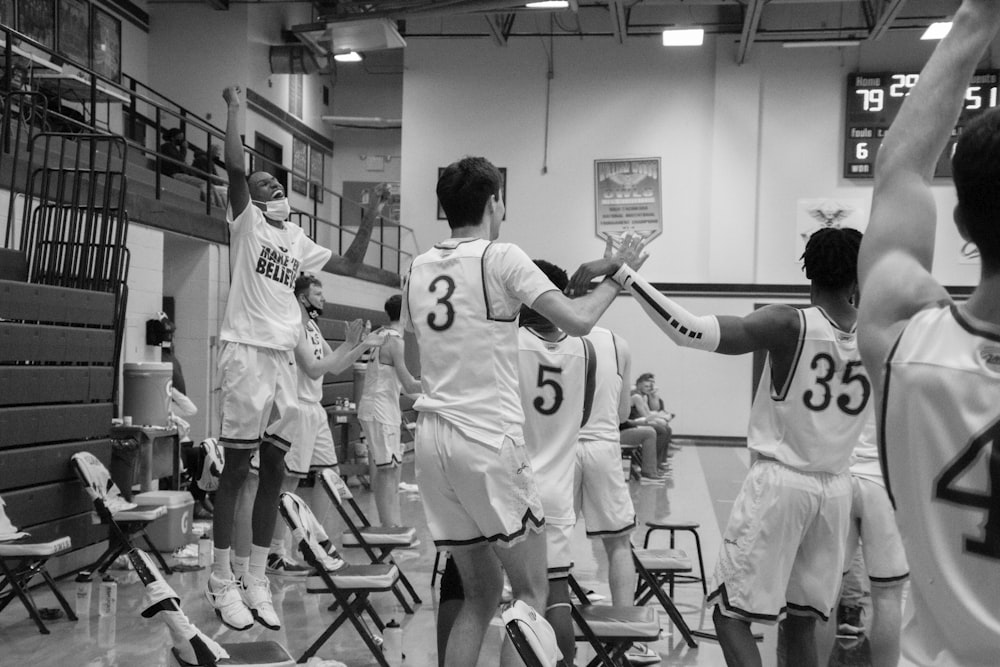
(409, 587)
(156, 553)
(17, 585)
(434, 571)
(701, 563)
(70, 613)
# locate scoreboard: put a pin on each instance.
(873, 100)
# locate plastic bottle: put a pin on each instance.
(205, 552)
(392, 643)
(108, 604)
(84, 587)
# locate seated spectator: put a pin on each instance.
(207, 163)
(648, 409)
(175, 148)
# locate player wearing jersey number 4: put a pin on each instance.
(936, 365)
(783, 549)
(461, 299)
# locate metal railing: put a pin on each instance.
(80, 100)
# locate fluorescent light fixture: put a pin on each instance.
(821, 43)
(349, 57)
(937, 30)
(683, 37)
(548, 4)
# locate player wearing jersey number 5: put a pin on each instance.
(783, 549)
(936, 365)
(461, 299)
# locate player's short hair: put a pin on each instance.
(304, 282)
(392, 307)
(464, 187)
(559, 278)
(831, 257)
(975, 167)
(644, 377)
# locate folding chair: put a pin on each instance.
(611, 630)
(361, 534)
(657, 567)
(532, 636)
(350, 585)
(124, 519)
(21, 558)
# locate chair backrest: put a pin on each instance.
(98, 483)
(301, 521)
(336, 488)
(6, 527)
(212, 464)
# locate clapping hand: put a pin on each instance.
(355, 330)
(232, 94)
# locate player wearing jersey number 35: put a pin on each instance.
(936, 365)
(461, 299)
(783, 549)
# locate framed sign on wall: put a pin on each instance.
(107, 45)
(627, 197)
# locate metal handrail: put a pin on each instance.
(165, 112)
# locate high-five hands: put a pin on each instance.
(629, 248)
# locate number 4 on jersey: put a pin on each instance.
(946, 489)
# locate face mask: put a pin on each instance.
(277, 209)
(312, 311)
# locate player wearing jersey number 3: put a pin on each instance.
(783, 549)
(936, 365)
(461, 299)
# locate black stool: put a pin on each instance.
(673, 527)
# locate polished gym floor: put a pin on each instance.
(703, 483)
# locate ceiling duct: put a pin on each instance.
(343, 36)
(294, 59)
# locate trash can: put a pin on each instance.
(172, 531)
(146, 392)
(124, 466)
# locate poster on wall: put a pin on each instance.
(37, 20)
(627, 197)
(300, 165)
(316, 174)
(107, 45)
(74, 31)
(814, 214)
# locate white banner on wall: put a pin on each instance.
(811, 215)
(627, 197)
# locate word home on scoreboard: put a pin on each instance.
(874, 99)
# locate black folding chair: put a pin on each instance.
(611, 630)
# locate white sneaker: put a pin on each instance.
(256, 594)
(224, 596)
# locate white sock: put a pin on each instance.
(258, 561)
(221, 567)
(241, 564)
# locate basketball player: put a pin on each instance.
(311, 446)
(783, 549)
(872, 522)
(256, 364)
(936, 365)
(462, 299)
(378, 411)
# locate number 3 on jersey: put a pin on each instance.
(437, 320)
(946, 489)
(818, 401)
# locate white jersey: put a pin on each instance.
(941, 422)
(461, 299)
(380, 398)
(264, 262)
(813, 422)
(311, 343)
(557, 389)
(603, 422)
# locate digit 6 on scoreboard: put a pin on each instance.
(861, 150)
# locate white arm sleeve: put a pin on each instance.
(684, 328)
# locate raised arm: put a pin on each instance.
(898, 248)
(239, 191)
(578, 316)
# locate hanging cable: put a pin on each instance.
(548, 97)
